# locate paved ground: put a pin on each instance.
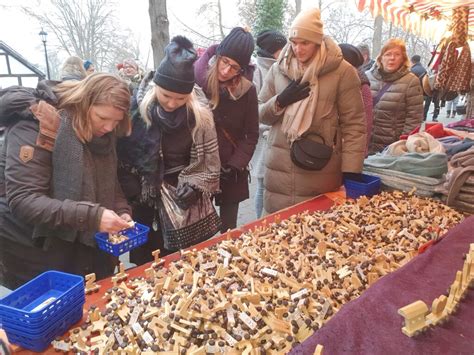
(247, 209)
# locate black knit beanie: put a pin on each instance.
(176, 71)
(237, 45)
(268, 42)
(352, 54)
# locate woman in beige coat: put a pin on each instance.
(310, 91)
(397, 96)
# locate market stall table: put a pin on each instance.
(322, 202)
(371, 324)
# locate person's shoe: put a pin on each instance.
(453, 115)
(448, 113)
(435, 119)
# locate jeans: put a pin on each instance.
(259, 198)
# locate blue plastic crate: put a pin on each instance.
(42, 300)
(40, 342)
(36, 330)
(137, 236)
(369, 186)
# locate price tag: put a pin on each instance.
(147, 296)
(118, 337)
(135, 314)
(147, 338)
(61, 345)
(137, 328)
(224, 253)
(226, 262)
(229, 339)
(244, 317)
(230, 315)
(299, 294)
(208, 265)
(268, 271)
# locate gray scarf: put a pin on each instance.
(80, 172)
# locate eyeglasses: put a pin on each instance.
(234, 68)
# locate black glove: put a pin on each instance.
(294, 92)
(186, 196)
(353, 176)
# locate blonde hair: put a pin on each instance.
(78, 97)
(202, 114)
(213, 84)
(390, 44)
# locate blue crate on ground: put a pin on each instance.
(43, 300)
(137, 236)
(369, 186)
(40, 342)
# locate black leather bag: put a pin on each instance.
(310, 155)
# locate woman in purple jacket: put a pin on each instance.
(223, 72)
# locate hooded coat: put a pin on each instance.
(399, 110)
(338, 117)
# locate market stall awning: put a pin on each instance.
(427, 18)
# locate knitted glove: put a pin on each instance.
(186, 196)
(294, 92)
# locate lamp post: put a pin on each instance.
(43, 35)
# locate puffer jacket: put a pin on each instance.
(399, 110)
(339, 118)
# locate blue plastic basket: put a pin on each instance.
(43, 300)
(369, 186)
(41, 341)
(137, 236)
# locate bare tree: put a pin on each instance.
(85, 28)
(247, 12)
(297, 6)
(377, 38)
(160, 35)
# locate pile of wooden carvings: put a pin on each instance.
(267, 290)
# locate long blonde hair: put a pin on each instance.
(202, 114)
(213, 84)
(390, 44)
(78, 97)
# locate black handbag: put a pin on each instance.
(310, 155)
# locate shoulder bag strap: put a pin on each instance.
(379, 95)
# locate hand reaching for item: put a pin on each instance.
(112, 223)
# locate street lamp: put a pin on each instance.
(43, 35)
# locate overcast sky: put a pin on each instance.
(21, 32)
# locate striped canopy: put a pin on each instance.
(428, 18)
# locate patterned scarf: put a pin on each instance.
(140, 153)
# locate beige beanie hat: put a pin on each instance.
(308, 25)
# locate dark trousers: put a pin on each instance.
(228, 213)
(426, 108)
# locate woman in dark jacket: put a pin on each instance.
(233, 99)
(58, 181)
(173, 142)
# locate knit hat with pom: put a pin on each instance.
(176, 71)
(237, 45)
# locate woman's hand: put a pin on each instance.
(112, 223)
(126, 217)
